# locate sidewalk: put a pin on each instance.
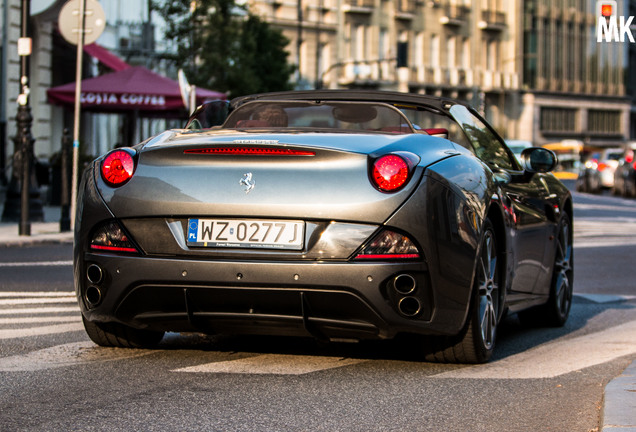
(619, 403)
(41, 232)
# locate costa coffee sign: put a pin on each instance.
(122, 99)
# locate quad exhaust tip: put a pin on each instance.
(93, 296)
(94, 274)
(409, 306)
(404, 284)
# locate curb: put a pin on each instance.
(619, 407)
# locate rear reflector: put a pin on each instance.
(250, 151)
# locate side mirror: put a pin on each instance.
(538, 160)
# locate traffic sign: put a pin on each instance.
(71, 26)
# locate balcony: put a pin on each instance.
(405, 9)
(454, 15)
(359, 6)
(492, 20)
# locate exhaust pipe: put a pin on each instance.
(93, 296)
(94, 274)
(409, 306)
(404, 284)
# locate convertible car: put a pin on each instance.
(338, 215)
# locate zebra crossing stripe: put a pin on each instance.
(38, 320)
(70, 354)
(40, 330)
(36, 264)
(40, 310)
(25, 301)
(37, 294)
(557, 357)
(274, 364)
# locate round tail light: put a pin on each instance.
(390, 172)
(118, 167)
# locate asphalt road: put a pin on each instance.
(53, 378)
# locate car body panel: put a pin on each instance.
(329, 287)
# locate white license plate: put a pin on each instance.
(236, 233)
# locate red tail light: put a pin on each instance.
(118, 167)
(110, 237)
(390, 172)
(389, 245)
(602, 166)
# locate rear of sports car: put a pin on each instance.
(327, 235)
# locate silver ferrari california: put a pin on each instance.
(339, 215)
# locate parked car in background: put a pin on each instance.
(518, 146)
(338, 215)
(597, 173)
(625, 173)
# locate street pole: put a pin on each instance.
(76, 116)
(65, 220)
(24, 118)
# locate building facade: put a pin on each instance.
(533, 67)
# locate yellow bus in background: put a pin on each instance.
(569, 155)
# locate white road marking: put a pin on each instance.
(558, 357)
(36, 264)
(8, 302)
(605, 298)
(39, 320)
(30, 294)
(604, 232)
(41, 330)
(48, 313)
(626, 208)
(276, 364)
(41, 310)
(72, 354)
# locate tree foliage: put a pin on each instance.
(223, 47)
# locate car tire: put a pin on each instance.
(557, 309)
(477, 341)
(119, 335)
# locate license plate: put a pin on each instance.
(236, 233)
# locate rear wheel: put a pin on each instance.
(556, 311)
(119, 335)
(476, 343)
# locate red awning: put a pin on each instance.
(133, 89)
(105, 57)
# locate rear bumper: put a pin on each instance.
(327, 300)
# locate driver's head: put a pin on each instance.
(273, 114)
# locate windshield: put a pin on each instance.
(356, 116)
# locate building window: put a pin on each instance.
(419, 49)
(604, 122)
(451, 50)
(435, 51)
(558, 119)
